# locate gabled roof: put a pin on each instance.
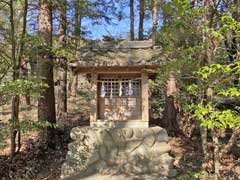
(124, 54)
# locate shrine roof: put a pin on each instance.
(123, 54)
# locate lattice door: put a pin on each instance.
(119, 98)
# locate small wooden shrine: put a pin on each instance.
(119, 74)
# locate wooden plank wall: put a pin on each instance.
(120, 108)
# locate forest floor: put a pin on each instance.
(35, 163)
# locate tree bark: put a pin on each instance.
(131, 20)
(141, 19)
(171, 109)
(154, 21)
(16, 61)
(15, 100)
(46, 104)
(216, 154)
(62, 88)
(74, 84)
(204, 134)
(206, 59)
(24, 72)
(77, 36)
(77, 27)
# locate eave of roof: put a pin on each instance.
(127, 54)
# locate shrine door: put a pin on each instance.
(119, 97)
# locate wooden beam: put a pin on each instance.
(145, 108)
(115, 69)
(93, 102)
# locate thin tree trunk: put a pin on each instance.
(46, 104)
(131, 20)
(16, 61)
(141, 19)
(15, 100)
(14, 124)
(62, 88)
(24, 70)
(216, 155)
(205, 59)
(204, 142)
(154, 21)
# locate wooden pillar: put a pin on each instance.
(93, 102)
(145, 109)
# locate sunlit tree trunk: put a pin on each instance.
(62, 74)
(141, 19)
(203, 130)
(15, 100)
(216, 153)
(77, 35)
(46, 104)
(74, 84)
(154, 21)
(131, 20)
(16, 61)
(208, 58)
(171, 107)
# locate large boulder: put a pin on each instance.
(126, 150)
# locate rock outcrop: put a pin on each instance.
(120, 150)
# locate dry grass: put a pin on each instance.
(31, 163)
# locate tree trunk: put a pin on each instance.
(62, 88)
(77, 35)
(206, 59)
(14, 124)
(154, 21)
(216, 155)
(24, 72)
(141, 19)
(204, 142)
(16, 61)
(171, 109)
(15, 100)
(77, 27)
(74, 84)
(46, 104)
(131, 20)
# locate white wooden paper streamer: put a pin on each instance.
(103, 92)
(111, 91)
(120, 89)
(130, 91)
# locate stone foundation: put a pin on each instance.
(119, 124)
(119, 150)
